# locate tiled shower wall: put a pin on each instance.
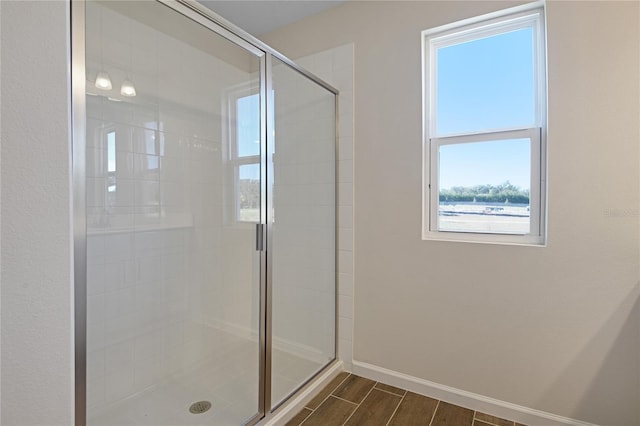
(158, 254)
(336, 67)
(304, 222)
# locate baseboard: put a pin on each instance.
(297, 403)
(470, 400)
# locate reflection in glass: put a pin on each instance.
(249, 193)
(173, 291)
(248, 131)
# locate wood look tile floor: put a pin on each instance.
(352, 400)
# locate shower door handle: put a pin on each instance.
(259, 237)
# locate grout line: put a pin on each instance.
(330, 394)
(313, 410)
(307, 418)
(389, 392)
(358, 406)
(433, 416)
(396, 410)
(345, 400)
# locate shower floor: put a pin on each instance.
(228, 380)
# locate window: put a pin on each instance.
(244, 153)
(484, 147)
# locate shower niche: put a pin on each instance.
(206, 163)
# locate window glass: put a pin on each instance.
(485, 187)
(486, 140)
(486, 84)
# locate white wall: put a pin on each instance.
(37, 308)
(555, 328)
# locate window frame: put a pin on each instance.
(527, 16)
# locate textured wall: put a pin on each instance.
(37, 310)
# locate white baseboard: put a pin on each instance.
(463, 398)
(294, 405)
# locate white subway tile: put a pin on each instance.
(119, 384)
(345, 194)
(345, 350)
(96, 366)
(345, 148)
(345, 306)
(345, 239)
(119, 356)
(345, 328)
(345, 284)
(345, 216)
(147, 372)
(95, 278)
(345, 171)
(96, 392)
(147, 345)
(120, 302)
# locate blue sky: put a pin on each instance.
(248, 133)
(486, 162)
(486, 84)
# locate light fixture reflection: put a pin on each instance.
(103, 82)
(127, 88)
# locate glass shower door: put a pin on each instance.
(303, 285)
(173, 197)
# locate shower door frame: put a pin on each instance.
(220, 26)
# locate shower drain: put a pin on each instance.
(199, 407)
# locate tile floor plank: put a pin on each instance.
(299, 418)
(332, 412)
(414, 410)
(375, 410)
(449, 414)
(326, 391)
(354, 389)
(359, 401)
(493, 420)
(391, 389)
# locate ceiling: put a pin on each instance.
(261, 16)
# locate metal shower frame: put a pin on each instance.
(205, 17)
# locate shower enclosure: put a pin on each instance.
(204, 175)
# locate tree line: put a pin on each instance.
(503, 193)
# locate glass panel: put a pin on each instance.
(173, 290)
(485, 187)
(486, 84)
(247, 130)
(303, 287)
(249, 193)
